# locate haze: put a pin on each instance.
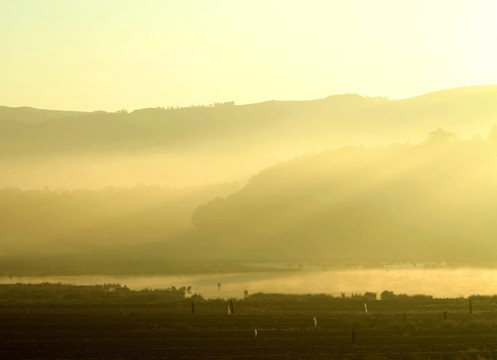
(381, 147)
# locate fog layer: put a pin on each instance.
(343, 180)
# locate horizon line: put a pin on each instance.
(254, 103)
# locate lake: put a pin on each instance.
(439, 282)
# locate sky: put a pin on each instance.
(128, 54)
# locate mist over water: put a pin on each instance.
(234, 149)
(440, 282)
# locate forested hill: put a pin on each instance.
(435, 201)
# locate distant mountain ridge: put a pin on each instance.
(215, 144)
(35, 116)
(322, 121)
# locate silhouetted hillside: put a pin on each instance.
(29, 115)
(207, 144)
(26, 130)
(430, 202)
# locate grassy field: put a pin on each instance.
(64, 322)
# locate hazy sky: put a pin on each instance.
(114, 54)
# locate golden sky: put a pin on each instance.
(115, 54)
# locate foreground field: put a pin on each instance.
(155, 325)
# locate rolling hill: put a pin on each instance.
(435, 201)
(212, 144)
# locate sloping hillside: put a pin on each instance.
(430, 202)
(324, 120)
(212, 144)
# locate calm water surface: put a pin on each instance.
(443, 282)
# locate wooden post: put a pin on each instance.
(470, 307)
(193, 307)
(445, 315)
(353, 337)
